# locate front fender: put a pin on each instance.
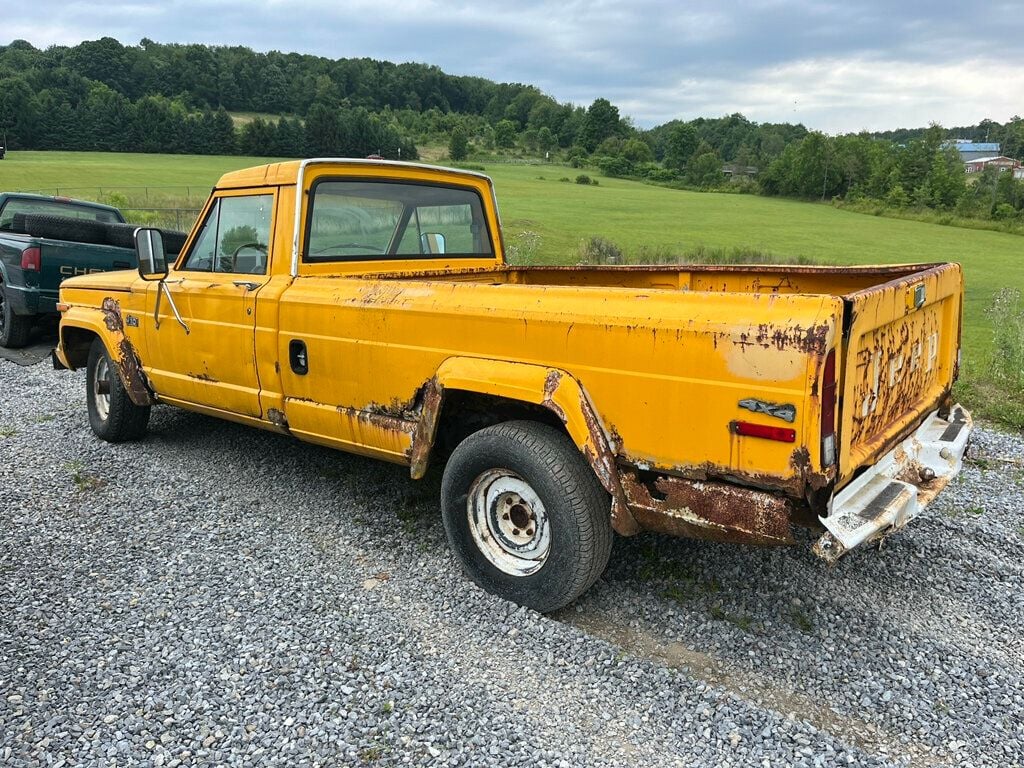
(80, 325)
(552, 388)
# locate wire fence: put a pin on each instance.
(180, 219)
(170, 207)
(196, 192)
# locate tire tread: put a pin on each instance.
(579, 485)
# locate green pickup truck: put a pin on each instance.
(44, 240)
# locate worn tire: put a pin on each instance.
(541, 460)
(113, 417)
(14, 329)
(174, 241)
(65, 228)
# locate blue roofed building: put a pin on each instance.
(973, 150)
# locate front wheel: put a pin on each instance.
(112, 414)
(525, 514)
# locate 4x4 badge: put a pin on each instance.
(784, 411)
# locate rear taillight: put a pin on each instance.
(31, 259)
(750, 429)
(828, 411)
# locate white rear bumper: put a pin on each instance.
(890, 494)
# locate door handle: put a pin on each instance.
(247, 284)
(298, 357)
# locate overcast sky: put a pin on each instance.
(834, 66)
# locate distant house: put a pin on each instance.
(1018, 173)
(1000, 162)
(735, 170)
(971, 150)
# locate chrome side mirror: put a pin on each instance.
(431, 242)
(151, 253)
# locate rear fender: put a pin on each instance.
(80, 325)
(551, 388)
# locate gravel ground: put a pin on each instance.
(219, 595)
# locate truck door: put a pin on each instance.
(208, 358)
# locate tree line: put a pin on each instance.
(153, 97)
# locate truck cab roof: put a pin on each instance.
(289, 172)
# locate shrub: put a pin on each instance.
(615, 166)
(577, 156)
(584, 179)
(1003, 212)
(458, 144)
(523, 247)
(598, 250)
(897, 197)
(662, 175)
(115, 199)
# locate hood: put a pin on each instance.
(120, 280)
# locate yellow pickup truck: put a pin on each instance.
(367, 306)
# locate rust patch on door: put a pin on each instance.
(278, 419)
(378, 418)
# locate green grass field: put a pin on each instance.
(635, 216)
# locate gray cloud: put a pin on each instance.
(836, 66)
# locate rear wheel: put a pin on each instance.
(14, 329)
(112, 414)
(525, 514)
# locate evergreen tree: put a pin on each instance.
(458, 144)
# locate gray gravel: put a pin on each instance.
(219, 595)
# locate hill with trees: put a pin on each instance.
(171, 98)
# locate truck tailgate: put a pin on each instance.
(902, 343)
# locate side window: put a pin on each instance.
(201, 257)
(235, 237)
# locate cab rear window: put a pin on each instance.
(372, 220)
(54, 208)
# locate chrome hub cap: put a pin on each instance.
(508, 522)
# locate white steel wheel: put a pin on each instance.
(101, 388)
(508, 522)
(525, 514)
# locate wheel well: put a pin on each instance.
(76, 343)
(464, 412)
